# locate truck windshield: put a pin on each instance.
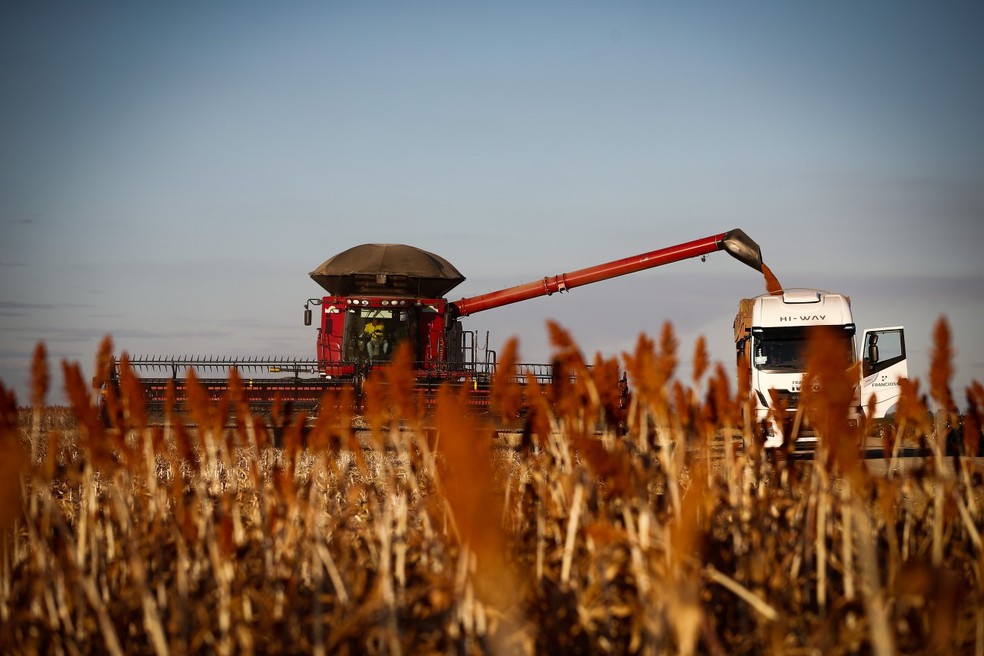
(373, 333)
(785, 349)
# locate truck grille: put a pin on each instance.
(791, 399)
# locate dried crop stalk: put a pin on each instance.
(572, 524)
(874, 594)
(757, 603)
(112, 641)
(847, 539)
(979, 645)
(820, 489)
(541, 522)
(938, 500)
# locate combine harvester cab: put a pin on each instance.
(383, 296)
(771, 333)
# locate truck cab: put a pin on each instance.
(771, 334)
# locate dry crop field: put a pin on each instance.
(660, 528)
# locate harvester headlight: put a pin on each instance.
(385, 302)
(365, 302)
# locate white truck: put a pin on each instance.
(771, 331)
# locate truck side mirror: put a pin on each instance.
(873, 349)
(307, 316)
(870, 363)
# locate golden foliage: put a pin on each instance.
(941, 369)
(620, 524)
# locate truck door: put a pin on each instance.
(883, 362)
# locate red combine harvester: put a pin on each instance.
(383, 295)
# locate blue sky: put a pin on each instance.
(170, 173)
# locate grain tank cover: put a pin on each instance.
(387, 269)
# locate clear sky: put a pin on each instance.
(171, 172)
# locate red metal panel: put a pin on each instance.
(331, 333)
(431, 333)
